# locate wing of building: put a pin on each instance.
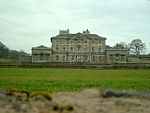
(41, 54)
(79, 47)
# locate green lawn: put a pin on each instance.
(54, 80)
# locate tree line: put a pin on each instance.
(7, 53)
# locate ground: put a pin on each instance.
(60, 80)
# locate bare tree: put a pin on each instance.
(137, 47)
(121, 45)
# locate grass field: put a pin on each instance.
(54, 80)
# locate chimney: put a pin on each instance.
(87, 32)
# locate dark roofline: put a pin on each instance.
(114, 49)
(140, 56)
(61, 36)
(41, 47)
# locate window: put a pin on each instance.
(100, 41)
(111, 57)
(57, 58)
(35, 56)
(71, 48)
(64, 58)
(78, 41)
(93, 58)
(64, 41)
(85, 48)
(100, 58)
(41, 56)
(92, 49)
(57, 41)
(64, 49)
(122, 57)
(78, 47)
(47, 56)
(117, 55)
(57, 48)
(72, 57)
(86, 57)
(99, 49)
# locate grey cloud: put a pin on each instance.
(24, 24)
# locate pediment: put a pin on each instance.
(79, 36)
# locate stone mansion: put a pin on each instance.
(80, 47)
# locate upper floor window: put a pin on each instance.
(57, 48)
(64, 41)
(64, 48)
(57, 41)
(71, 42)
(100, 41)
(71, 48)
(78, 47)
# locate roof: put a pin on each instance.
(41, 47)
(116, 49)
(78, 35)
(140, 56)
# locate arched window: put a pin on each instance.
(78, 47)
(71, 48)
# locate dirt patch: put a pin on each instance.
(86, 101)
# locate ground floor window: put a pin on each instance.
(111, 57)
(41, 56)
(101, 58)
(64, 58)
(85, 57)
(122, 57)
(72, 57)
(93, 58)
(57, 58)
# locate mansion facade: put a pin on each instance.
(80, 47)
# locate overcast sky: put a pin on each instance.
(29, 23)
